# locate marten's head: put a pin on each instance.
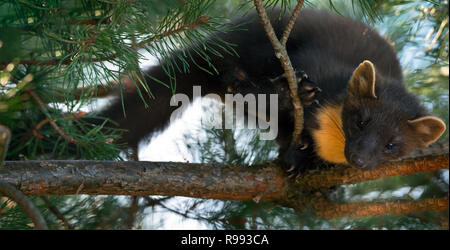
(382, 121)
(378, 121)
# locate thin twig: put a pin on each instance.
(153, 202)
(56, 212)
(282, 55)
(34, 130)
(54, 125)
(291, 22)
(25, 203)
(93, 21)
(37, 7)
(200, 21)
(185, 214)
(132, 211)
(267, 26)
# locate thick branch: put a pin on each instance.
(206, 181)
(144, 178)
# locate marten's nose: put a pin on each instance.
(357, 160)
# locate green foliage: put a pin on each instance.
(419, 31)
(54, 48)
(365, 10)
(80, 212)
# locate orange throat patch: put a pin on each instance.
(329, 138)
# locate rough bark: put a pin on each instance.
(344, 175)
(363, 209)
(266, 182)
(144, 178)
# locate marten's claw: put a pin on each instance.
(291, 169)
(304, 146)
(308, 91)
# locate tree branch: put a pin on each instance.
(341, 175)
(291, 22)
(363, 209)
(265, 182)
(25, 203)
(56, 212)
(54, 125)
(144, 178)
(282, 55)
(132, 212)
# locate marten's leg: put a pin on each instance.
(300, 157)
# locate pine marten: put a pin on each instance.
(357, 108)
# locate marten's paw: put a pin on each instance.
(307, 89)
(300, 157)
(296, 160)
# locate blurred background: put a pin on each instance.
(59, 32)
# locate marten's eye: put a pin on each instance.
(389, 147)
(361, 123)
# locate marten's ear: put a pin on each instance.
(362, 82)
(427, 129)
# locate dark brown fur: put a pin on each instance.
(328, 48)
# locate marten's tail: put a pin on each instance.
(140, 111)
